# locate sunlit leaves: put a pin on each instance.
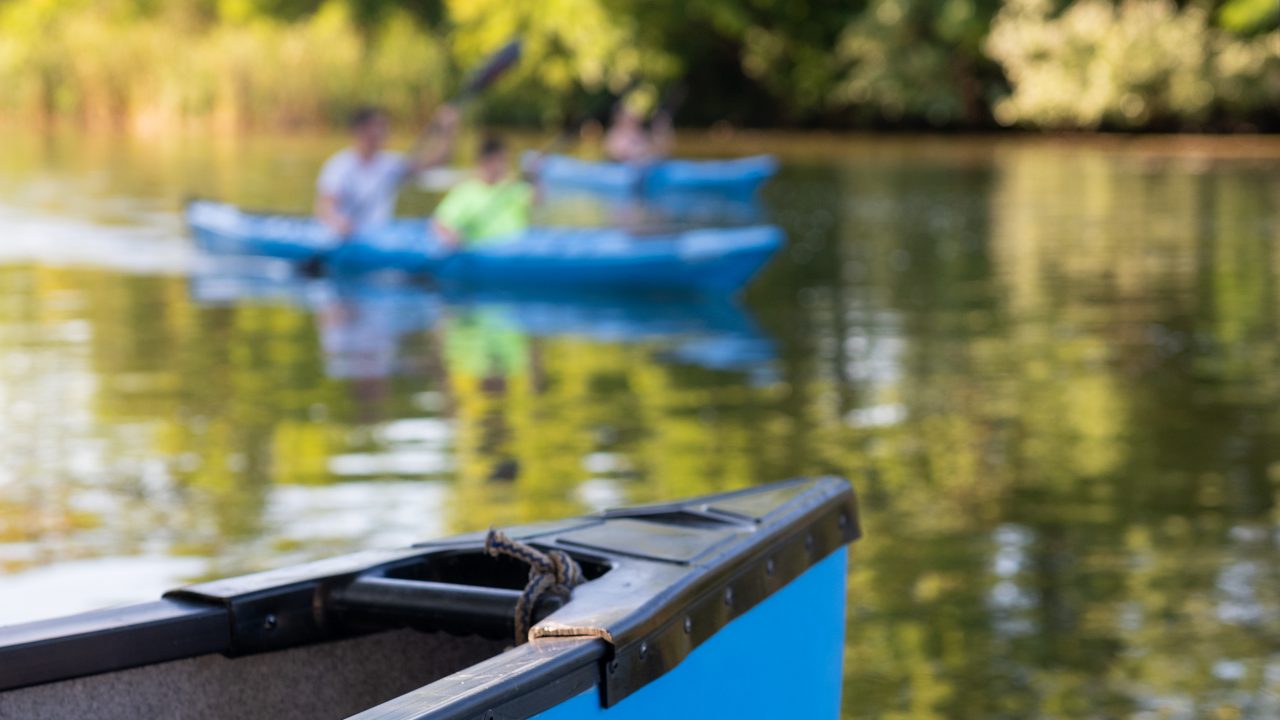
(1132, 64)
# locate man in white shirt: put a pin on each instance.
(358, 186)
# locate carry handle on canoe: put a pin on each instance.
(376, 600)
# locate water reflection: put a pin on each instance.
(484, 349)
(362, 321)
(1078, 443)
(1048, 367)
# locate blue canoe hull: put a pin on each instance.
(783, 659)
(739, 176)
(712, 259)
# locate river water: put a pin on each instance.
(1050, 367)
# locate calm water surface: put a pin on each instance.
(1051, 369)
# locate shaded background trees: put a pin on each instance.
(919, 64)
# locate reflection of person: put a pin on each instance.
(483, 343)
(357, 343)
(493, 205)
(629, 142)
(359, 185)
(359, 347)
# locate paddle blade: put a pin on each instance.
(493, 68)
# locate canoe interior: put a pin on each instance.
(328, 680)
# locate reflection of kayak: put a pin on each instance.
(680, 606)
(613, 317)
(713, 259)
(711, 331)
(740, 175)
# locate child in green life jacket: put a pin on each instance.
(491, 207)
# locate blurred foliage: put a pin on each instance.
(1114, 64)
(918, 60)
(570, 47)
(1248, 16)
(1138, 64)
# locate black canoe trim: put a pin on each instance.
(107, 640)
(284, 608)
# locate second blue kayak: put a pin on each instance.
(711, 259)
(735, 176)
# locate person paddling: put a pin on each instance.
(627, 140)
(493, 205)
(358, 186)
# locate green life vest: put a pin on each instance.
(481, 213)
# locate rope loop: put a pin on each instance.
(551, 574)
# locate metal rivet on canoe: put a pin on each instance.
(644, 650)
(808, 541)
(688, 625)
(844, 520)
(269, 622)
(728, 596)
(769, 566)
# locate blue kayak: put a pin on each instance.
(705, 259)
(735, 176)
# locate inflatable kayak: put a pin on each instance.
(737, 176)
(710, 259)
(723, 606)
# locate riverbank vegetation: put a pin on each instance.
(915, 64)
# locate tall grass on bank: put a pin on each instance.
(113, 67)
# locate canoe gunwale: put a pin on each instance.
(89, 643)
